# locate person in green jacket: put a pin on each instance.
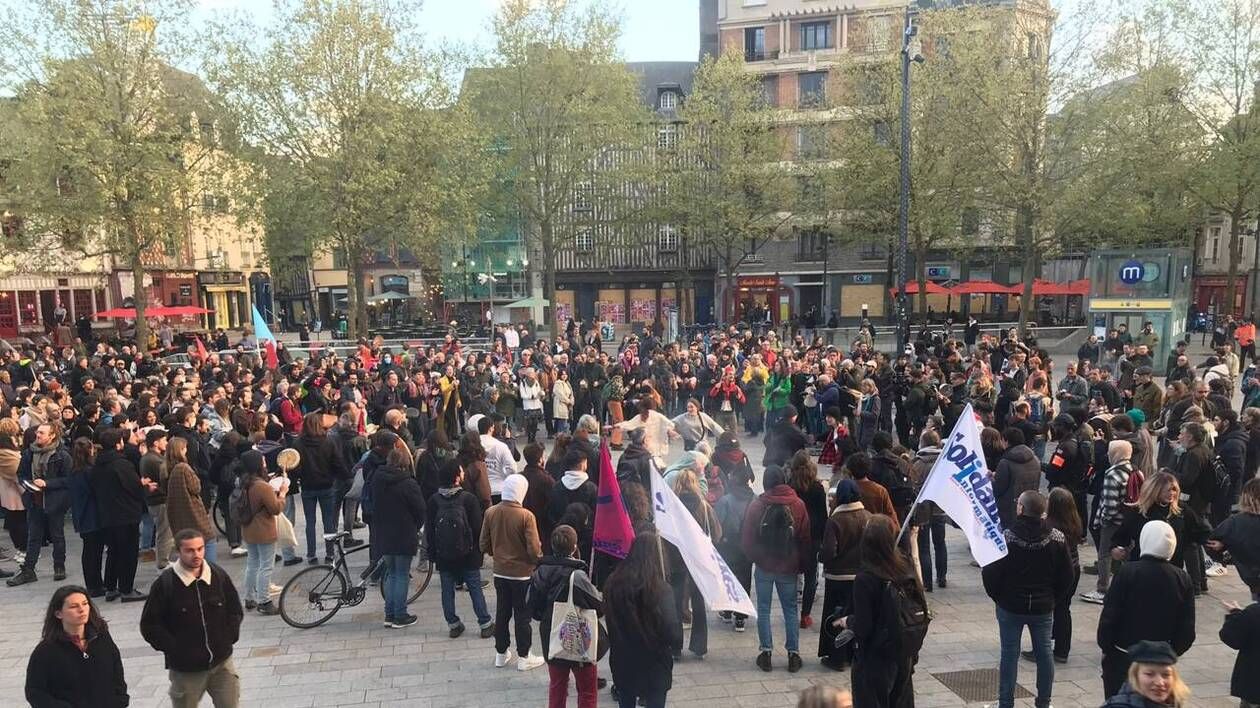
(777, 394)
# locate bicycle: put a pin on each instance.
(315, 594)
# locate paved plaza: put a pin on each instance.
(354, 661)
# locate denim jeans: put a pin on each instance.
(212, 551)
(258, 566)
(40, 525)
(1010, 631)
(397, 577)
(562, 425)
(148, 530)
(785, 585)
(472, 580)
(328, 514)
(931, 542)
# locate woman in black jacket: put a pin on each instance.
(76, 662)
(803, 479)
(643, 629)
(881, 671)
(322, 466)
(1160, 500)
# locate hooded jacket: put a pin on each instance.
(549, 584)
(399, 512)
(635, 465)
(1018, 471)
(920, 466)
(116, 486)
(321, 462)
(473, 512)
(778, 494)
(1036, 573)
(509, 533)
(1149, 598)
(574, 487)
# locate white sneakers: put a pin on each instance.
(239, 551)
(501, 660)
(1216, 570)
(1093, 597)
(533, 661)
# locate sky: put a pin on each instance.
(654, 30)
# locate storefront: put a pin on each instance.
(226, 294)
(761, 295)
(1209, 294)
(32, 304)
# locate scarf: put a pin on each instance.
(40, 457)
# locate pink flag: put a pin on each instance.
(613, 532)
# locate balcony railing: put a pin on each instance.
(763, 55)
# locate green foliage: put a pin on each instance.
(365, 151)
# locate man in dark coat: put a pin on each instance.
(120, 495)
(1026, 584)
(46, 465)
(1149, 598)
(396, 522)
(1197, 479)
(785, 439)
(1017, 472)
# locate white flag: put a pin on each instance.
(959, 483)
(720, 587)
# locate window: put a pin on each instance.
(815, 35)
(970, 221)
(208, 202)
(582, 197)
(883, 133)
(751, 249)
(338, 259)
(1034, 46)
(811, 142)
(668, 100)
(667, 137)
(83, 303)
(1216, 245)
(811, 245)
(583, 241)
(755, 44)
(206, 129)
(812, 88)
(872, 251)
(770, 89)
(667, 239)
(27, 308)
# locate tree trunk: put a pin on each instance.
(728, 288)
(356, 310)
(1027, 245)
(1235, 257)
(141, 299)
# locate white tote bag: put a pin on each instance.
(574, 632)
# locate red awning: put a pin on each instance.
(1048, 287)
(985, 287)
(912, 288)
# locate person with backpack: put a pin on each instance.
(193, 616)
(398, 515)
(451, 531)
(892, 472)
(509, 535)
(888, 617)
(1197, 475)
(1149, 599)
(841, 558)
(575, 487)
(1070, 463)
(731, 510)
(558, 574)
(1121, 486)
(255, 504)
(1025, 585)
(928, 531)
(777, 539)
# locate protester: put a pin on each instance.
(559, 573)
(1026, 585)
(193, 616)
(841, 558)
(1240, 536)
(46, 465)
(1152, 681)
(120, 493)
(509, 534)
(184, 508)
(76, 663)
(777, 539)
(398, 514)
(451, 529)
(256, 513)
(731, 511)
(643, 627)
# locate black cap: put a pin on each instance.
(1148, 652)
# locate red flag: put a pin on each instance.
(201, 351)
(613, 531)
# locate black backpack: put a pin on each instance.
(910, 617)
(451, 531)
(1220, 475)
(777, 531)
(239, 508)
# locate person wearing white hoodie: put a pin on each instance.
(499, 462)
(509, 533)
(572, 501)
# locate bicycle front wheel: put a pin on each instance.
(421, 573)
(313, 596)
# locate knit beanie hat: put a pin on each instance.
(1158, 540)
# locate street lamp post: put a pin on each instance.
(903, 202)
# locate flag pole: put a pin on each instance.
(905, 523)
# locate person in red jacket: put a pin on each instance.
(775, 537)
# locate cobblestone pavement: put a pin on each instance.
(354, 661)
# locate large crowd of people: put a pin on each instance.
(461, 454)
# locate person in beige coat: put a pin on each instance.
(265, 503)
(184, 508)
(509, 533)
(561, 401)
(10, 491)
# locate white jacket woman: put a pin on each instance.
(562, 398)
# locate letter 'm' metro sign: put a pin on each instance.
(1132, 272)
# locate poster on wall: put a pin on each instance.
(614, 312)
(564, 311)
(642, 310)
(668, 304)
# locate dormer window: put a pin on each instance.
(668, 101)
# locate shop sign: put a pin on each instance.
(863, 279)
(759, 282)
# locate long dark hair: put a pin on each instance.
(82, 454)
(1061, 514)
(470, 448)
(880, 556)
(636, 589)
(52, 625)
